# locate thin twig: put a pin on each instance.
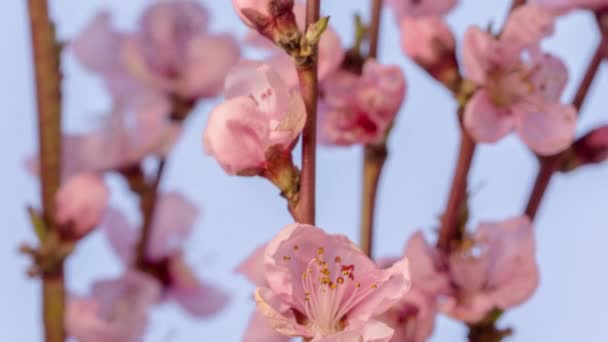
(48, 101)
(309, 88)
(374, 156)
(450, 230)
(148, 200)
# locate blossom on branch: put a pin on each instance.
(260, 116)
(322, 287)
(172, 224)
(519, 86)
(359, 109)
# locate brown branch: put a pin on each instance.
(550, 164)
(48, 102)
(374, 29)
(307, 75)
(149, 199)
(374, 155)
(450, 230)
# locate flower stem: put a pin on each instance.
(307, 75)
(148, 201)
(549, 165)
(450, 230)
(48, 102)
(374, 155)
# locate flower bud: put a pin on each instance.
(80, 203)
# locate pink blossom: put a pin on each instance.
(359, 109)
(330, 285)
(562, 6)
(331, 52)
(81, 202)
(116, 310)
(173, 51)
(261, 6)
(427, 39)
(172, 225)
(519, 87)
(495, 268)
(413, 318)
(260, 113)
(421, 8)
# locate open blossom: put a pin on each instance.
(493, 269)
(413, 318)
(331, 52)
(173, 221)
(171, 53)
(260, 113)
(81, 203)
(519, 86)
(421, 8)
(116, 310)
(322, 287)
(359, 109)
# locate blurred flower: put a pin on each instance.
(429, 41)
(116, 310)
(324, 288)
(121, 139)
(174, 219)
(171, 54)
(413, 318)
(173, 51)
(360, 109)
(493, 269)
(81, 203)
(519, 87)
(260, 114)
(421, 8)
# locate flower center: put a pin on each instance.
(508, 86)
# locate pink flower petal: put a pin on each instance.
(253, 266)
(479, 54)
(484, 120)
(527, 26)
(121, 235)
(421, 8)
(285, 323)
(258, 329)
(546, 127)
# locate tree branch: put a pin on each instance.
(307, 75)
(48, 102)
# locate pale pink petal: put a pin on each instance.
(259, 329)
(527, 25)
(470, 309)
(253, 267)
(195, 296)
(550, 76)
(237, 135)
(81, 203)
(267, 304)
(154, 133)
(514, 275)
(485, 121)
(121, 235)
(204, 72)
(546, 127)
(479, 54)
(371, 331)
(426, 270)
(174, 219)
(97, 45)
(426, 39)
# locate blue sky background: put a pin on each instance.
(240, 213)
